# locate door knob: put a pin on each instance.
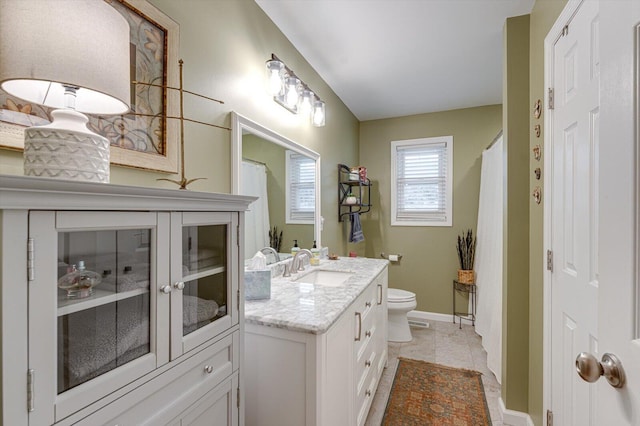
(590, 369)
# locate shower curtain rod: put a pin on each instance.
(254, 161)
(494, 140)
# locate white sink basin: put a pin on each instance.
(324, 277)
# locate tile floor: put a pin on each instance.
(442, 343)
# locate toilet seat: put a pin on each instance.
(395, 295)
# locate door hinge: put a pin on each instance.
(238, 235)
(31, 272)
(549, 418)
(550, 103)
(238, 398)
(30, 389)
(238, 297)
(549, 260)
(565, 30)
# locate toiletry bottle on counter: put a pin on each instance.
(315, 258)
(295, 248)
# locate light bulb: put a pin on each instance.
(306, 102)
(317, 118)
(274, 75)
(291, 92)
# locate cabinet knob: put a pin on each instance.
(367, 363)
(368, 334)
(367, 304)
(208, 369)
(179, 285)
(368, 392)
(166, 289)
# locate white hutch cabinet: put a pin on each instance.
(120, 305)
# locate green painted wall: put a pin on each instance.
(543, 16)
(429, 260)
(224, 45)
(515, 307)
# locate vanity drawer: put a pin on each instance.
(364, 319)
(364, 400)
(366, 369)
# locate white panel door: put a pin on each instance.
(574, 221)
(619, 295)
(592, 185)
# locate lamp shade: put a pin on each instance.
(46, 44)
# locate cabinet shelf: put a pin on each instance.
(204, 273)
(361, 189)
(99, 297)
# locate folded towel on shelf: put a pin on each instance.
(196, 309)
(133, 277)
(356, 234)
(97, 340)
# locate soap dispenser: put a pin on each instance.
(315, 258)
(295, 249)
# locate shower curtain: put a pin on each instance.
(489, 248)
(256, 234)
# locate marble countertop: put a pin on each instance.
(313, 308)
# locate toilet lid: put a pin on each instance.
(397, 295)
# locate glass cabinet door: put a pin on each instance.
(103, 302)
(94, 273)
(203, 299)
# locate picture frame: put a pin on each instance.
(144, 138)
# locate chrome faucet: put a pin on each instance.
(267, 250)
(296, 263)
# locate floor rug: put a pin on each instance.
(431, 394)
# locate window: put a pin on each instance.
(301, 188)
(421, 182)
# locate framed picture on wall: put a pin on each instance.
(143, 138)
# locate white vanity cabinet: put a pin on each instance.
(156, 340)
(298, 378)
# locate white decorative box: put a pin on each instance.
(257, 284)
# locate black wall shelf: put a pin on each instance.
(360, 188)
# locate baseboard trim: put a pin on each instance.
(429, 316)
(514, 418)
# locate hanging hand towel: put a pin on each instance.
(356, 234)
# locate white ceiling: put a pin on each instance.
(391, 58)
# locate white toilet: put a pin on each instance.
(399, 303)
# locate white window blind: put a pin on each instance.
(421, 182)
(301, 193)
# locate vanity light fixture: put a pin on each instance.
(292, 93)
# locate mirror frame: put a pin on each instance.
(239, 124)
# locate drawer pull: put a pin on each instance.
(359, 326)
(368, 392)
(379, 294)
(367, 363)
(368, 334)
(208, 369)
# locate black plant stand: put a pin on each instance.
(471, 290)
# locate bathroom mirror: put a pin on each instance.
(290, 172)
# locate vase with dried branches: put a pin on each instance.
(275, 239)
(466, 248)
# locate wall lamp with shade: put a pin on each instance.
(292, 93)
(72, 55)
